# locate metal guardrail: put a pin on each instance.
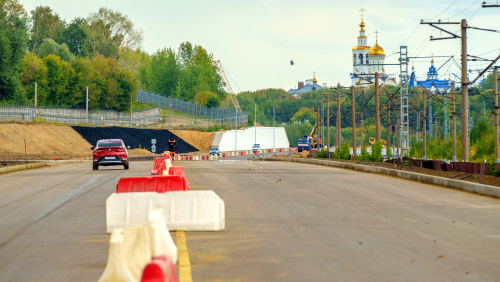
(75, 116)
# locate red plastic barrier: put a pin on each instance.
(242, 153)
(157, 166)
(159, 184)
(297, 149)
(161, 269)
(203, 157)
(269, 150)
(281, 150)
(223, 155)
(275, 155)
(179, 171)
(255, 152)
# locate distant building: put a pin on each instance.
(432, 83)
(310, 85)
(366, 61)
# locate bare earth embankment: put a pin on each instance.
(46, 141)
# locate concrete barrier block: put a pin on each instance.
(186, 210)
(129, 253)
(161, 241)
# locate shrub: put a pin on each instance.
(323, 154)
(376, 155)
(492, 170)
(364, 153)
(345, 151)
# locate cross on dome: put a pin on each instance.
(362, 13)
(376, 35)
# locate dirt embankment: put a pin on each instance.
(41, 139)
(199, 140)
(51, 141)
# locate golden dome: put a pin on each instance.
(376, 50)
(362, 25)
(315, 80)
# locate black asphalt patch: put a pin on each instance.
(134, 137)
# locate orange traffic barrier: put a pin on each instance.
(157, 166)
(161, 269)
(179, 171)
(159, 184)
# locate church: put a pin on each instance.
(366, 61)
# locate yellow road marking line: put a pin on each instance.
(184, 263)
(411, 220)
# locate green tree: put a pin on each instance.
(305, 114)
(60, 76)
(45, 24)
(33, 69)
(113, 86)
(75, 38)
(109, 30)
(13, 41)
(49, 46)
(163, 72)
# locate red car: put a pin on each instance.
(110, 152)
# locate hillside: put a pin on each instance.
(50, 141)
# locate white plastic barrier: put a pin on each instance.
(161, 241)
(168, 164)
(129, 253)
(184, 210)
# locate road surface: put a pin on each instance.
(284, 222)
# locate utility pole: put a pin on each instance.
(424, 123)
(196, 106)
(377, 109)
(87, 106)
(328, 122)
(445, 116)
(495, 94)
(255, 123)
(339, 122)
(236, 130)
(454, 122)
(36, 86)
(418, 126)
(353, 110)
(317, 130)
(437, 137)
(362, 144)
(274, 128)
(388, 141)
(465, 96)
(398, 129)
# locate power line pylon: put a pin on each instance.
(403, 67)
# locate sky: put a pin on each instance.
(255, 39)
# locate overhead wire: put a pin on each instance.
(442, 11)
(465, 9)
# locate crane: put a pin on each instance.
(230, 92)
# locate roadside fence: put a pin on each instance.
(190, 108)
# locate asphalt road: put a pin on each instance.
(284, 222)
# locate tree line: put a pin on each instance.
(103, 52)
